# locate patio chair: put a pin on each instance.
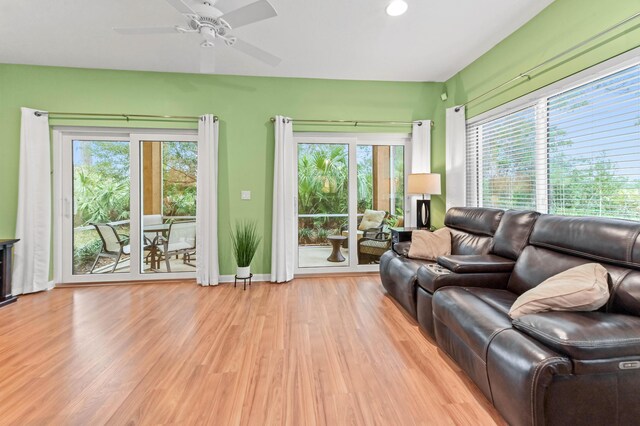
(369, 225)
(148, 220)
(180, 241)
(114, 245)
(370, 249)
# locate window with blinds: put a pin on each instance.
(573, 153)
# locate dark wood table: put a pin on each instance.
(154, 259)
(399, 235)
(336, 241)
(6, 254)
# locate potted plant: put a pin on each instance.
(245, 240)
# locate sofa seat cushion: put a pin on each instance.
(476, 263)
(466, 313)
(465, 325)
(500, 300)
(584, 335)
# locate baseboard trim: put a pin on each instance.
(256, 278)
(117, 283)
(223, 279)
(337, 275)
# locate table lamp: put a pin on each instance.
(423, 184)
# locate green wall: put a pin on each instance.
(244, 105)
(561, 25)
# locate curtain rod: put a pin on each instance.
(354, 122)
(527, 73)
(122, 116)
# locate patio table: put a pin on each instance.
(154, 259)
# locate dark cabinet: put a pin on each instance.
(6, 254)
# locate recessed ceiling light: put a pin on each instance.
(397, 8)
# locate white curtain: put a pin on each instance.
(33, 223)
(456, 141)
(207, 268)
(283, 228)
(420, 161)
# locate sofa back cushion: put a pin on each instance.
(472, 229)
(463, 243)
(558, 243)
(512, 235)
(474, 220)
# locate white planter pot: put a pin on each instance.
(243, 272)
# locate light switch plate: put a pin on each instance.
(245, 195)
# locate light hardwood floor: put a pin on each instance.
(329, 351)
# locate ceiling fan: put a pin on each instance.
(212, 24)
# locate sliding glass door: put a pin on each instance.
(168, 205)
(323, 205)
(99, 206)
(380, 190)
(350, 192)
(126, 206)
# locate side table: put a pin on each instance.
(336, 242)
(6, 249)
(399, 235)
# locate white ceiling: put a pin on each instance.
(337, 39)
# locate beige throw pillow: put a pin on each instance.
(371, 219)
(583, 288)
(428, 245)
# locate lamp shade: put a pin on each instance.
(424, 183)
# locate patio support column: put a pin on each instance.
(381, 177)
(152, 177)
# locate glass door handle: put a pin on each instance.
(67, 207)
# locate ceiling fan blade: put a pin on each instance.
(207, 60)
(256, 52)
(181, 7)
(147, 30)
(250, 13)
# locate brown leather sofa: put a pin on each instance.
(491, 270)
(472, 231)
(554, 367)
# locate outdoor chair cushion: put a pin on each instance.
(371, 219)
(375, 247)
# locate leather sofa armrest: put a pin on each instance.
(433, 277)
(469, 264)
(521, 371)
(402, 248)
(584, 335)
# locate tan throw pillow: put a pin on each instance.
(428, 245)
(371, 219)
(583, 288)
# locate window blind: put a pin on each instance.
(574, 153)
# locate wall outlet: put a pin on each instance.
(245, 195)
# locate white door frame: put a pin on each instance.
(352, 140)
(63, 186)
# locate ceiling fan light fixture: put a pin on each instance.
(397, 8)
